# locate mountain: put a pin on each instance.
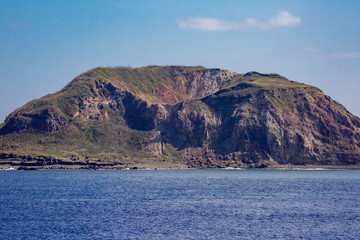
(177, 116)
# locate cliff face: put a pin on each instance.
(184, 115)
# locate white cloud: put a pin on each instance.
(210, 24)
(282, 19)
(347, 55)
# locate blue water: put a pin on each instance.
(179, 204)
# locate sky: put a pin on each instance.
(45, 44)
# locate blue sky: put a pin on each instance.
(45, 44)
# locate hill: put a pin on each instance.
(177, 116)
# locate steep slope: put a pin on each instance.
(178, 116)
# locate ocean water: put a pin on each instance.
(180, 204)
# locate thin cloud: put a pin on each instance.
(281, 19)
(347, 55)
(311, 49)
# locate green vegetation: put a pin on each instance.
(146, 82)
(97, 140)
(273, 81)
(232, 82)
(170, 151)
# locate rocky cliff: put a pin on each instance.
(178, 116)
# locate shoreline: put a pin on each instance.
(6, 167)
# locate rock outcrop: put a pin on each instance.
(183, 116)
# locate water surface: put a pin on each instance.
(180, 204)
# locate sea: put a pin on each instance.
(180, 204)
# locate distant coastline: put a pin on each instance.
(174, 167)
